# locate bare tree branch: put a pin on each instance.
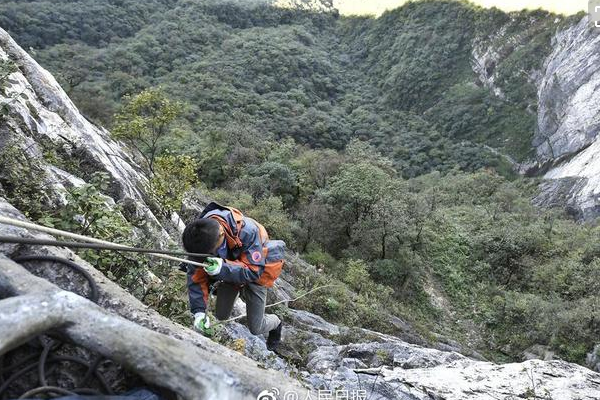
(24, 317)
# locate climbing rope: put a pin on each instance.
(94, 246)
(279, 302)
(108, 245)
(94, 295)
(97, 244)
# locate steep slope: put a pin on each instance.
(294, 73)
(567, 144)
(218, 372)
(377, 366)
(523, 83)
(39, 119)
(568, 114)
(433, 84)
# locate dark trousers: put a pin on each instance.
(255, 297)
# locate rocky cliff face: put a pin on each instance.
(326, 358)
(322, 355)
(567, 142)
(38, 116)
(568, 107)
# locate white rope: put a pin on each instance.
(279, 302)
(58, 232)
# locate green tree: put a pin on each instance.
(356, 274)
(382, 233)
(83, 63)
(357, 188)
(272, 178)
(314, 168)
(145, 121)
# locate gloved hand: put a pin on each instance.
(202, 323)
(214, 265)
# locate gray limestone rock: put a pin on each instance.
(569, 108)
(40, 115)
(569, 122)
(593, 359)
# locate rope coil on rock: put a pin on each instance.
(94, 294)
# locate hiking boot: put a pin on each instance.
(274, 338)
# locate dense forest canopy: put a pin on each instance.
(403, 81)
(369, 144)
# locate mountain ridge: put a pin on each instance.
(323, 102)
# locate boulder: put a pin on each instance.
(313, 323)
(466, 379)
(593, 359)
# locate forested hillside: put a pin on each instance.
(381, 149)
(403, 81)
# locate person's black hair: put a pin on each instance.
(200, 236)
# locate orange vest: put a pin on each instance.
(272, 250)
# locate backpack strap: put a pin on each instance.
(233, 240)
(232, 237)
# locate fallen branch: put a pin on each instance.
(24, 317)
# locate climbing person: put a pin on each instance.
(245, 262)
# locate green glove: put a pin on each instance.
(202, 324)
(214, 265)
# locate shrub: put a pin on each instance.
(22, 181)
(320, 259)
(174, 175)
(7, 67)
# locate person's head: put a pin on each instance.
(203, 235)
